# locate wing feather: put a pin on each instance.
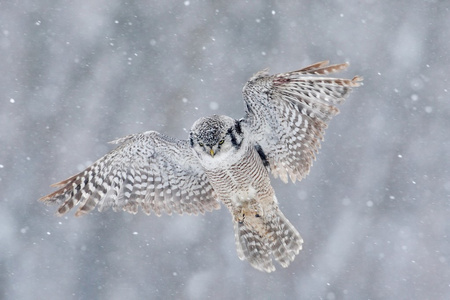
(147, 170)
(288, 113)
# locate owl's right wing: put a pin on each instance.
(149, 170)
(288, 113)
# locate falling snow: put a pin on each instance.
(373, 212)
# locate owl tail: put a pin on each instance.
(276, 237)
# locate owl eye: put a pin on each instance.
(221, 142)
(200, 144)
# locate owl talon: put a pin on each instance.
(239, 215)
(242, 219)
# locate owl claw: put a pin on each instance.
(239, 215)
(240, 218)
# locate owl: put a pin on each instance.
(224, 160)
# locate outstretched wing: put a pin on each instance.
(149, 170)
(288, 113)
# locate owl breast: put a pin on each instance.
(243, 181)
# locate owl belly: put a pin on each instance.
(244, 183)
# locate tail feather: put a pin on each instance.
(251, 246)
(286, 242)
(280, 240)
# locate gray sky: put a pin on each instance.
(373, 212)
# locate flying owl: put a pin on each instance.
(224, 160)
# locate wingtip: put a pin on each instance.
(357, 81)
(79, 213)
(57, 184)
(47, 198)
(337, 67)
(318, 65)
(322, 68)
(43, 199)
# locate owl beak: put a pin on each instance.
(211, 152)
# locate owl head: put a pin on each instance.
(215, 136)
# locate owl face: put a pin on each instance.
(216, 136)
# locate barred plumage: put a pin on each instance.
(149, 170)
(224, 160)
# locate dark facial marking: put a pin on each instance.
(192, 139)
(233, 139)
(237, 126)
(262, 155)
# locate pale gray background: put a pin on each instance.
(374, 212)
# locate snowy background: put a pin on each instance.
(374, 212)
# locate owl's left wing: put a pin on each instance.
(149, 170)
(288, 113)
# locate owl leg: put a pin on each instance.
(250, 209)
(239, 214)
